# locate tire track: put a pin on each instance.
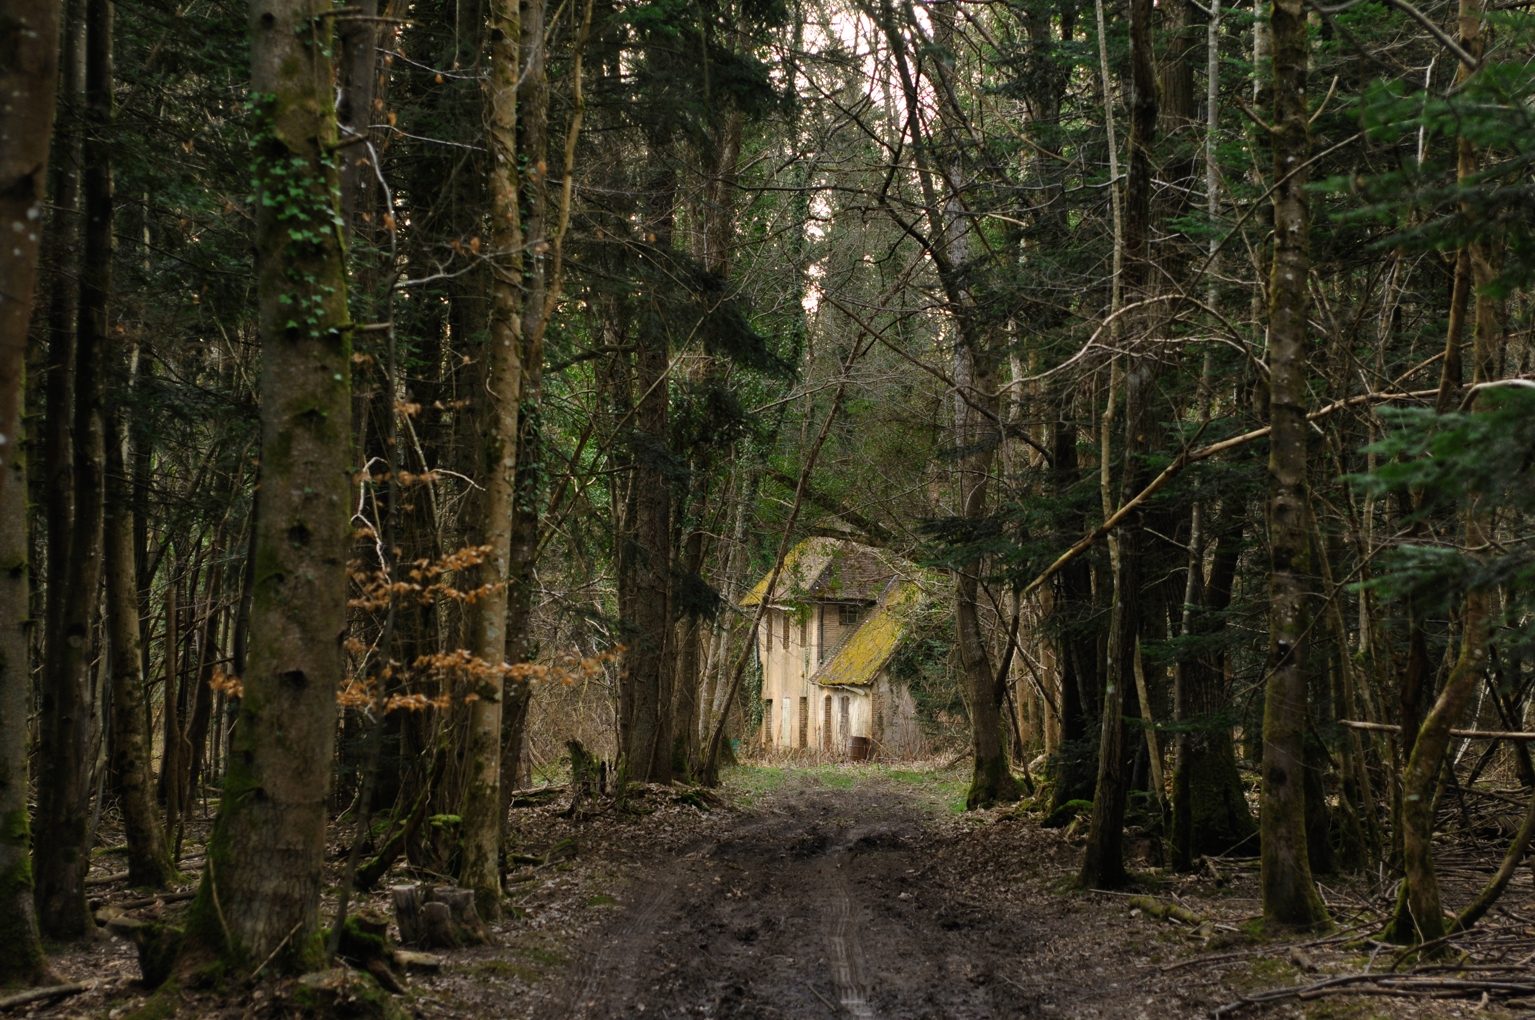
(847, 961)
(609, 975)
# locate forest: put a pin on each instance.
(400, 400)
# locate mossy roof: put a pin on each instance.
(862, 654)
(826, 570)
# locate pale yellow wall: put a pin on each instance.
(786, 672)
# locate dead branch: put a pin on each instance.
(1375, 727)
(44, 994)
(1399, 985)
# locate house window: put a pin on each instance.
(848, 615)
(826, 726)
(786, 631)
(846, 717)
(804, 722)
(767, 723)
(769, 629)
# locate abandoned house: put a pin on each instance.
(829, 629)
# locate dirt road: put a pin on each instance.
(834, 892)
(816, 903)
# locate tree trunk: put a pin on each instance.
(172, 760)
(62, 856)
(499, 398)
(533, 135)
(149, 862)
(645, 751)
(29, 33)
(1103, 861)
(1210, 813)
(357, 64)
(23, 957)
(1290, 896)
(259, 899)
(1419, 915)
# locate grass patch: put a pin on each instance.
(541, 955)
(601, 900)
(943, 789)
(526, 963)
(1263, 973)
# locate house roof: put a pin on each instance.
(866, 651)
(826, 570)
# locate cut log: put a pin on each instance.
(466, 919)
(437, 928)
(407, 912)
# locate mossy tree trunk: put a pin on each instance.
(260, 892)
(533, 140)
(1290, 897)
(498, 399)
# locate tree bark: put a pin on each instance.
(646, 677)
(499, 399)
(1103, 861)
(1290, 896)
(259, 898)
(63, 854)
(1419, 915)
(23, 958)
(533, 135)
(149, 862)
(29, 33)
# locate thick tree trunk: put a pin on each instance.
(499, 398)
(357, 64)
(533, 134)
(29, 34)
(1290, 896)
(259, 897)
(23, 957)
(645, 751)
(63, 854)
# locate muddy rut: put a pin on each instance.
(819, 902)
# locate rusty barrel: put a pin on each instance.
(858, 748)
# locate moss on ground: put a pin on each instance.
(944, 789)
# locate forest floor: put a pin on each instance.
(861, 891)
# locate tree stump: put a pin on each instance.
(365, 943)
(437, 917)
(588, 776)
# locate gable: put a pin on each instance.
(825, 570)
(861, 656)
